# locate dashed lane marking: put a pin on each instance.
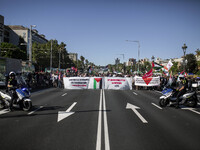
(158, 92)
(4, 111)
(35, 110)
(64, 94)
(135, 93)
(156, 105)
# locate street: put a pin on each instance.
(99, 120)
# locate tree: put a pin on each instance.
(174, 68)
(42, 53)
(82, 61)
(145, 67)
(11, 51)
(152, 58)
(87, 62)
(197, 52)
(191, 66)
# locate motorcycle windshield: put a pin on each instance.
(164, 92)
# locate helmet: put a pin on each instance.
(12, 74)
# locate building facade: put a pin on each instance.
(117, 61)
(15, 34)
(131, 62)
(73, 56)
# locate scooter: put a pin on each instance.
(23, 99)
(169, 97)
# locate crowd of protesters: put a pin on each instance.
(55, 79)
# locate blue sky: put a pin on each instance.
(98, 29)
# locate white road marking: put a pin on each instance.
(156, 105)
(192, 109)
(4, 111)
(35, 110)
(98, 142)
(133, 107)
(64, 94)
(135, 93)
(64, 114)
(107, 143)
(158, 92)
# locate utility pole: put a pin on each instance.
(59, 59)
(51, 57)
(30, 45)
(138, 52)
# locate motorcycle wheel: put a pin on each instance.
(27, 105)
(192, 103)
(2, 104)
(163, 102)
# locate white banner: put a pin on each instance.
(118, 83)
(76, 82)
(151, 81)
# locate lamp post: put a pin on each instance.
(51, 57)
(59, 59)
(138, 52)
(30, 45)
(184, 47)
(123, 62)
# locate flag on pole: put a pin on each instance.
(184, 73)
(157, 66)
(169, 65)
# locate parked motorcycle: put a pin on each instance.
(169, 97)
(23, 99)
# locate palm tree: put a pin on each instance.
(197, 52)
(82, 61)
(152, 58)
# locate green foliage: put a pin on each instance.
(145, 67)
(42, 55)
(191, 66)
(197, 52)
(174, 68)
(11, 51)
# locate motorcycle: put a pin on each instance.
(22, 100)
(169, 97)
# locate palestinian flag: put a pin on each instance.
(97, 83)
(157, 66)
(184, 73)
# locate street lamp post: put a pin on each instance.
(184, 47)
(59, 59)
(138, 51)
(30, 45)
(51, 57)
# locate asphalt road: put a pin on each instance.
(99, 120)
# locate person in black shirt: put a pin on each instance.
(12, 83)
(181, 89)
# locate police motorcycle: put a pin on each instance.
(189, 99)
(22, 100)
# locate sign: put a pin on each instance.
(151, 81)
(76, 82)
(118, 83)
